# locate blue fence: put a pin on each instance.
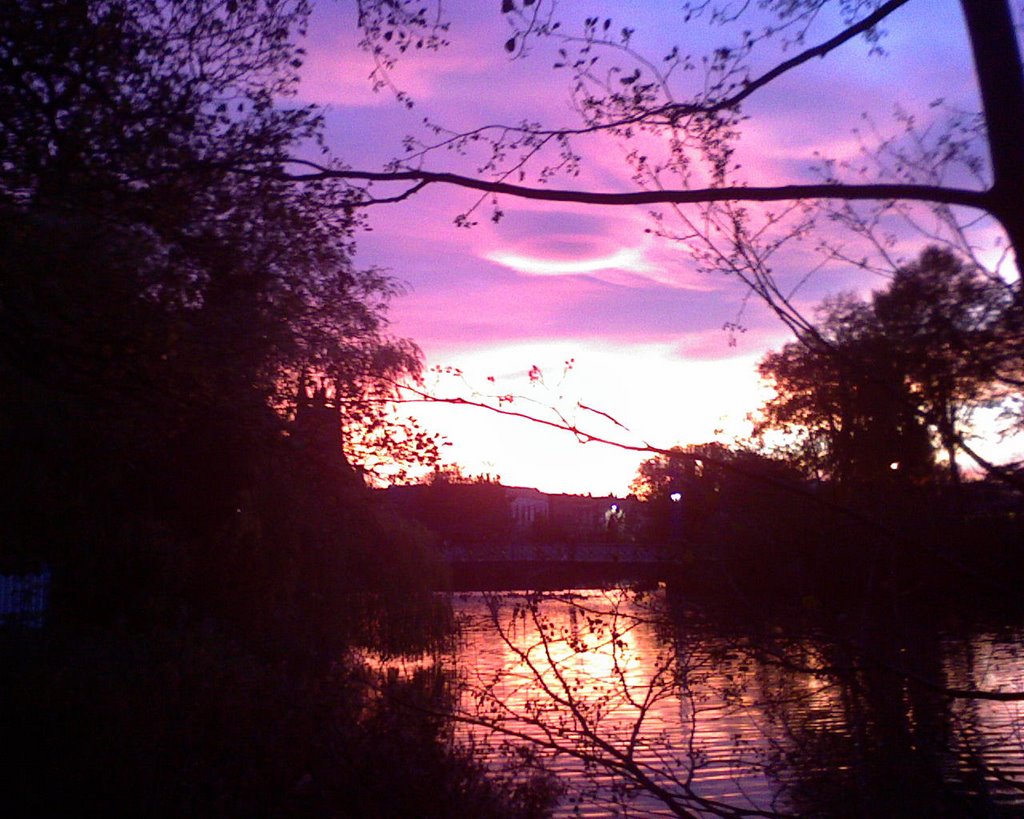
(24, 599)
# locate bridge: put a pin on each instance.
(492, 567)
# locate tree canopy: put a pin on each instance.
(129, 123)
(172, 321)
(879, 384)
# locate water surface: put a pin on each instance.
(640, 706)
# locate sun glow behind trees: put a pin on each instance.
(644, 388)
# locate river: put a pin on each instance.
(642, 704)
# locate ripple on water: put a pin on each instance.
(701, 714)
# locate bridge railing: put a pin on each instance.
(557, 553)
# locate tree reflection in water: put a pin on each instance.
(644, 707)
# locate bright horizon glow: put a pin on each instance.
(643, 387)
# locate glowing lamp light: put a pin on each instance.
(894, 465)
(676, 497)
(615, 507)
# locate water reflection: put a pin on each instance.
(645, 708)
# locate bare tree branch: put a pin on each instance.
(779, 193)
(672, 111)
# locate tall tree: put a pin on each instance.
(864, 389)
(949, 329)
(845, 398)
(160, 307)
(128, 123)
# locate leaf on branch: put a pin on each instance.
(508, 6)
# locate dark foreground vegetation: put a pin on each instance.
(191, 722)
(183, 348)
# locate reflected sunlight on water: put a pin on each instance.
(589, 671)
(634, 706)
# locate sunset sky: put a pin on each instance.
(551, 283)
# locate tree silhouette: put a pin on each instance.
(952, 331)
(865, 388)
(182, 350)
(161, 311)
(848, 400)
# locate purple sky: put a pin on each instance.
(554, 282)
